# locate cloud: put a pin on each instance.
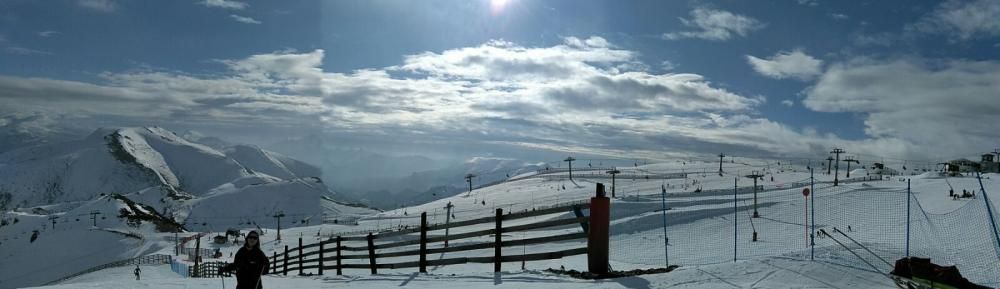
(24, 51)
(808, 2)
(878, 39)
(715, 25)
(962, 20)
(794, 64)
(227, 4)
(839, 16)
(244, 19)
(48, 33)
(573, 94)
(788, 103)
(940, 106)
(668, 65)
(106, 6)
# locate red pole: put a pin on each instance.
(597, 241)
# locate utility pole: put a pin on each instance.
(721, 155)
(755, 175)
(93, 216)
(570, 161)
(613, 172)
(53, 219)
(447, 220)
(829, 164)
(836, 172)
(468, 178)
(278, 217)
(850, 160)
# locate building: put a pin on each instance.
(881, 169)
(961, 166)
(989, 165)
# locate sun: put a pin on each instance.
(497, 6)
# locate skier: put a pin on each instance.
(250, 263)
(137, 271)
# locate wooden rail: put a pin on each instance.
(330, 254)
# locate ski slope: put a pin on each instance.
(700, 230)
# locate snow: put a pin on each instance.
(770, 273)
(700, 229)
(149, 166)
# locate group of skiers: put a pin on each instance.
(965, 194)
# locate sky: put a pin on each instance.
(795, 78)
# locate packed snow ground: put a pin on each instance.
(698, 229)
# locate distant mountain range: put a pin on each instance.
(191, 180)
(388, 181)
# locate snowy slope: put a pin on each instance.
(699, 222)
(271, 163)
(158, 174)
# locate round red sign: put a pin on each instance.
(805, 192)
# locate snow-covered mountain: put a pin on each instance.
(136, 183)
(189, 181)
(425, 186)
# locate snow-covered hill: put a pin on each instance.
(136, 184)
(425, 186)
(701, 223)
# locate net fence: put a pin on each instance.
(717, 227)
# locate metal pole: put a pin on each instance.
(989, 211)
(812, 236)
(735, 215)
(666, 241)
(908, 217)
(447, 221)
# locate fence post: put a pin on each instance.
(274, 263)
(597, 239)
(300, 257)
(340, 270)
(496, 241)
(908, 217)
(371, 253)
(285, 259)
(197, 257)
(321, 257)
(423, 242)
(736, 215)
(989, 211)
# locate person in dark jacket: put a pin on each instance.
(250, 263)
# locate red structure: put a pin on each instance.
(597, 239)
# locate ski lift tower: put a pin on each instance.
(570, 161)
(755, 175)
(720, 163)
(836, 173)
(613, 172)
(468, 178)
(278, 216)
(850, 160)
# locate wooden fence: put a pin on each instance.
(332, 253)
(155, 259)
(208, 270)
